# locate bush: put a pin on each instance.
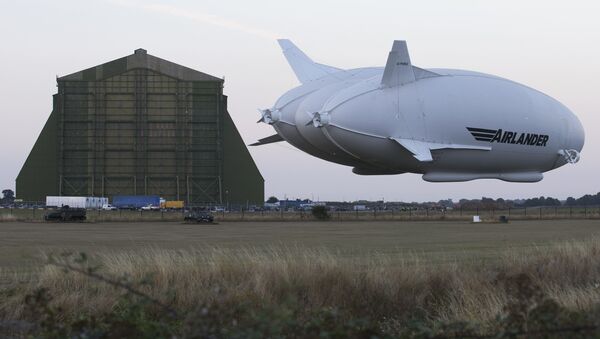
(320, 212)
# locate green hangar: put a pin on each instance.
(141, 125)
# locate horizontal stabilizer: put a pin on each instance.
(305, 69)
(421, 150)
(268, 140)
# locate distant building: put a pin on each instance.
(294, 204)
(141, 125)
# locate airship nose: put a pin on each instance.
(576, 136)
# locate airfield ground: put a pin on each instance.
(390, 274)
(21, 243)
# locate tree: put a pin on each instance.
(8, 195)
(320, 212)
(272, 200)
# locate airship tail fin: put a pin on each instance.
(398, 69)
(305, 69)
(268, 140)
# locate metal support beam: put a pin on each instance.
(187, 183)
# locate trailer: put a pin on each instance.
(135, 201)
(173, 204)
(76, 202)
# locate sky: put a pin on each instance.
(553, 46)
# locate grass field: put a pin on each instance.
(530, 213)
(21, 244)
(451, 278)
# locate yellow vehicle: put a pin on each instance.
(174, 205)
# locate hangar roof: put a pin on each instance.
(140, 59)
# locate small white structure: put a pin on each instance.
(476, 218)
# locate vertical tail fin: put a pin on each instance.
(305, 69)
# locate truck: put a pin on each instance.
(76, 202)
(199, 216)
(135, 201)
(66, 213)
(172, 204)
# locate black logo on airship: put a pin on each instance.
(508, 137)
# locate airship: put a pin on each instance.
(448, 125)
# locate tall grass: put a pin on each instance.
(393, 289)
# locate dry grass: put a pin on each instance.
(7, 217)
(393, 287)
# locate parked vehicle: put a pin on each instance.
(66, 213)
(199, 216)
(76, 202)
(108, 207)
(135, 201)
(172, 205)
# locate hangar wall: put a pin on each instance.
(141, 125)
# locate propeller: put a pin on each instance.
(269, 116)
(570, 155)
(318, 119)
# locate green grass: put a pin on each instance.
(22, 243)
(530, 213)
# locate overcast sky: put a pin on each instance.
(553, 46)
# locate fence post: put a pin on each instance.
(540, 213)
(525, 211)
(374, 213)
(585, 211)
(570, 211)
(427, 211)
(509, 211)
(357, 214)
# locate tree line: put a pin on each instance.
(489, 203)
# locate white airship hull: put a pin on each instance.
(449, 125)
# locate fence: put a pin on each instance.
(530, 213)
